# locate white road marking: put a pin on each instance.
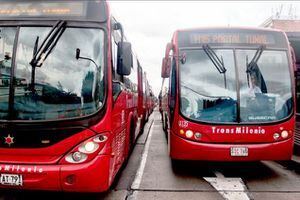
(138, 176)
(229, 188)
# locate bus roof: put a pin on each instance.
(231, 36)
(79, 10)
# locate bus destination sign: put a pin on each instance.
(240, 37)
(232, 38)
(42, 9)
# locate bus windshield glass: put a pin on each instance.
(63, 87)
(210, 95)
(265, 91)
(206, 94)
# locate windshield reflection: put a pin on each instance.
(265, 87)
(267, 96)
(64, 87)
(204, 94)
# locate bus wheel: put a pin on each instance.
(165, 124)
(163, 121)
(175, 163)
(146, 117)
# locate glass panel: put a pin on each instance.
(7, 37)
(64, 86)
(207, 94)
(266, 93)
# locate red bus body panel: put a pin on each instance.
(89, 177)
(188, 150)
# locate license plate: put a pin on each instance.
(239, 151)
(11, 179)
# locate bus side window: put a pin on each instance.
(116, 78)
(172, 90)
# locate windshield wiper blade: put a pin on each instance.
(218, 63)
(252, 68)
(48, 44)
(40, 54)
(256, 56)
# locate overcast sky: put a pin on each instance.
(149, 25)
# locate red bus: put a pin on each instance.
(229, 95)
(69, 95)
(146, 98)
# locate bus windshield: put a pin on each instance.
(64, 87)
(265, 91)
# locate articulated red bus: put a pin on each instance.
(70, 90)
(228, 95)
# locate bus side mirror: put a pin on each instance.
(165, 69)
(77, 53)
(124, 62)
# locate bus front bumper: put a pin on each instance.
(88, 177)
(182, 149)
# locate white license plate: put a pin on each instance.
(239, 151)
(11, 179)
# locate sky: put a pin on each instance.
(149, 25)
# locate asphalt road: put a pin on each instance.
(149, 175)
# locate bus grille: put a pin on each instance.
(34, 138)
(297, 134)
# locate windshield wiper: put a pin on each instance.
(218, 63)
(256, 56)
(252, 68)
(40, 54)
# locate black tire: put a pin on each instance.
(175, 163)
(146, 117)
(165, 124)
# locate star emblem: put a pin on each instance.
(9, 140)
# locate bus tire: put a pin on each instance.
(146, 116)
(165, 124)
(175, 163)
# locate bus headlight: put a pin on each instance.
(198, 136)
(276, 136)
(89, 147)
(284, 134)
(189, 134)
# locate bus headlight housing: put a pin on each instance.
(86, 151)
